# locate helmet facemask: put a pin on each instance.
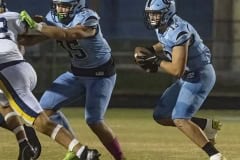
(158, 13)
(63, 16)
(153, 19)
(65, 10)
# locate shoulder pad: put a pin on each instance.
(48, 17)
(88, 17)
(179, 33)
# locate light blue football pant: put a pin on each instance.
(185, 97)
(93, 92)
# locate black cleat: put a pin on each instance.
(26, 151)
(33, 140)
(90, 154)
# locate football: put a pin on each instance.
(141, 51)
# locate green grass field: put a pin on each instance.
(141, 138)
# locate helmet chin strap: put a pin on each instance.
(65, 19)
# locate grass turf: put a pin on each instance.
(141, 138)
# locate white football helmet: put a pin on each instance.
(74, 7)
(159, 12)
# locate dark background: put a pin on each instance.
(123, 26)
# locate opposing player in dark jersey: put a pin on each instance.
(92, 75)
(182, 54)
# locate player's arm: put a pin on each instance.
(154, 55)
(27, 36)
(29, 40)
(150, 57)
(158, 47)
(77, 32)
(179, 60)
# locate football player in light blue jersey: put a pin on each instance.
(17, 80)
(182, 54)
(92, 75)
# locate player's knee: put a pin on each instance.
(95, 124)
(92, 121)
(157, 117)
(163, 122)
(161, 119)
(43, 127)
(50, 129)
(59, 118)
(43, 124)
(179, 122)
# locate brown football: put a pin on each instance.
(141, 51)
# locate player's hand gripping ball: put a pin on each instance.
(143, 58)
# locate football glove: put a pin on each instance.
(147, 58)
(25, 17)
(149, 67)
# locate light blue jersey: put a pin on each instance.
(88, 52)
(185, 96)
(92, 77)
(177, 34)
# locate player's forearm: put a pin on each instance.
(179, 61)
(29, 40)
(158, 47)
(169, 67)
(53, 32)
(65, 34)
(172, 69)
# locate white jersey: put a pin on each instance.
(10, 27)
